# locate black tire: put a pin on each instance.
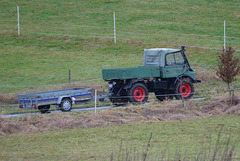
(162, 95)
(44, 109)
(119, 101)
(184, 89)
(138, 93)
(170, 94)
(66, 105)
(102, 99)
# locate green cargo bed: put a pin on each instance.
(131, 73)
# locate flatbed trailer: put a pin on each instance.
(63, 99)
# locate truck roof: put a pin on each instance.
(156, 56)
(163, 50)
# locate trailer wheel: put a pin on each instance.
(138, 93)
(44, 109)
(66, 105)
(184, 89)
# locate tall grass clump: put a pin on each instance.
(221, 148)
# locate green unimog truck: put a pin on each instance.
(166, 72)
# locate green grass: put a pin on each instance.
(39, 59)
(51, 43)
(100, 143)
(41, 56)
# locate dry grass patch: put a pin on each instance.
(167, 111)
(8, 99)
(206, 75)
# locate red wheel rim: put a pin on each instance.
(185, 90)
(139, 94)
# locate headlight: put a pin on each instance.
(110, 86)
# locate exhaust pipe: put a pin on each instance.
(183, 47)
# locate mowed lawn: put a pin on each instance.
(190, 139)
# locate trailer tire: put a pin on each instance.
(184, 89)
(138, 93)
(44, 109)
(66, 105)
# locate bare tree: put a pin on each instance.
(228, 67)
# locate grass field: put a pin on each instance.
(100, 143)
(58, 35)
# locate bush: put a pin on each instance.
(229, 66)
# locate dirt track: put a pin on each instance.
(112, 117)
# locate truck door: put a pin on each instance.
(174, 65)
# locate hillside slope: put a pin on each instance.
(59, 35)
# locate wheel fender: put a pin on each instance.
(62, 97)
(129, 83)
(182, 76)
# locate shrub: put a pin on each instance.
(228, 67)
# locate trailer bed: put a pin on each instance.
(45, 99)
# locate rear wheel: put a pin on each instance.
(66, 105)
(44, 109)
(184, 89)
(138, 93)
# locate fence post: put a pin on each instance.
(69, 76)
(95, 101)
(115, 36)
(18, 20)
(224, 37)
(232, 96)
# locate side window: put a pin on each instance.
(179, 59)
(174, 59)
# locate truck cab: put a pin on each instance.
(165, 71)
(171, 62)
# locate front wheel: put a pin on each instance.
(184, 89)
(138, 93)
(66, 105)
